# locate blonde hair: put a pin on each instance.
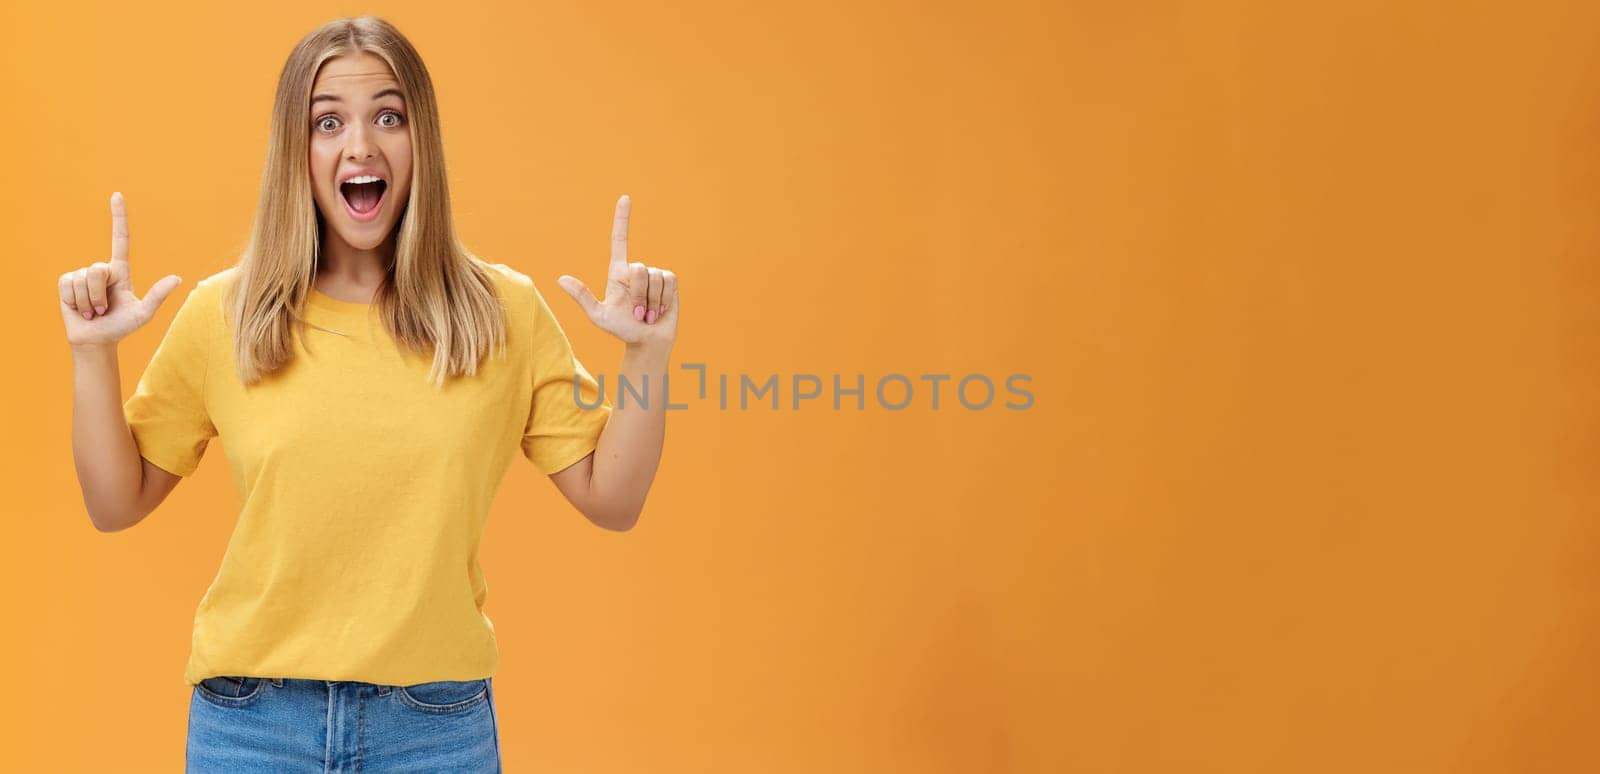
(436, 296)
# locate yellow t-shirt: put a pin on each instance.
(364, 488)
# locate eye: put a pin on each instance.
(328, 124)
(384, 119)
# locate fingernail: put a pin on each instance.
(650, 316)
(100, 310)
(87, 315)
(638, 313)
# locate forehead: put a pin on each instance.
(360, 71)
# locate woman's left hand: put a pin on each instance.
(641, 302)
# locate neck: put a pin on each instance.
(343, 265)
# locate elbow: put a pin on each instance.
(614, 519)
(109, 524)
(113, 508)
(108, 520)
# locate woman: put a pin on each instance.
(372, 381)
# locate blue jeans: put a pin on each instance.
(263, 724)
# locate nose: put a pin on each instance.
(360, 146)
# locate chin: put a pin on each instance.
(365, 239)
(361, 236)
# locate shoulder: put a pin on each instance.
(212, 288)
(203, 303)
(523, 299)
(517, 287)
(509, 279)
(219, 279)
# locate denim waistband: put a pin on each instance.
(300, 682)
(279, 682)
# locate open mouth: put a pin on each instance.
(363, 195)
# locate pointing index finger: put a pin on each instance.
(119, 229)
(619, 234)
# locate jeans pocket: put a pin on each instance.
(445, 697)
(230, 690)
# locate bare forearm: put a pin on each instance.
(629, 450)
(103, 449)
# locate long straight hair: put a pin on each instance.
(436, 297)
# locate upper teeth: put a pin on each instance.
(364, 179)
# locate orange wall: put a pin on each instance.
(1306, 296)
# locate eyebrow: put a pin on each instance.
(390, 92)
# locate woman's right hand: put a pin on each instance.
(97, 301)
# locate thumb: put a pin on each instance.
(159, 292)
(580, 293)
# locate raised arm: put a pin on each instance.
(99, 309)
(640, 308)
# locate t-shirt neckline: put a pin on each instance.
(323, 300)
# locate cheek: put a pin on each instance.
(322, 166)
(400, 164)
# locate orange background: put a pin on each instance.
(1307, 297)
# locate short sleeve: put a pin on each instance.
(167, 411)
(565, 421)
